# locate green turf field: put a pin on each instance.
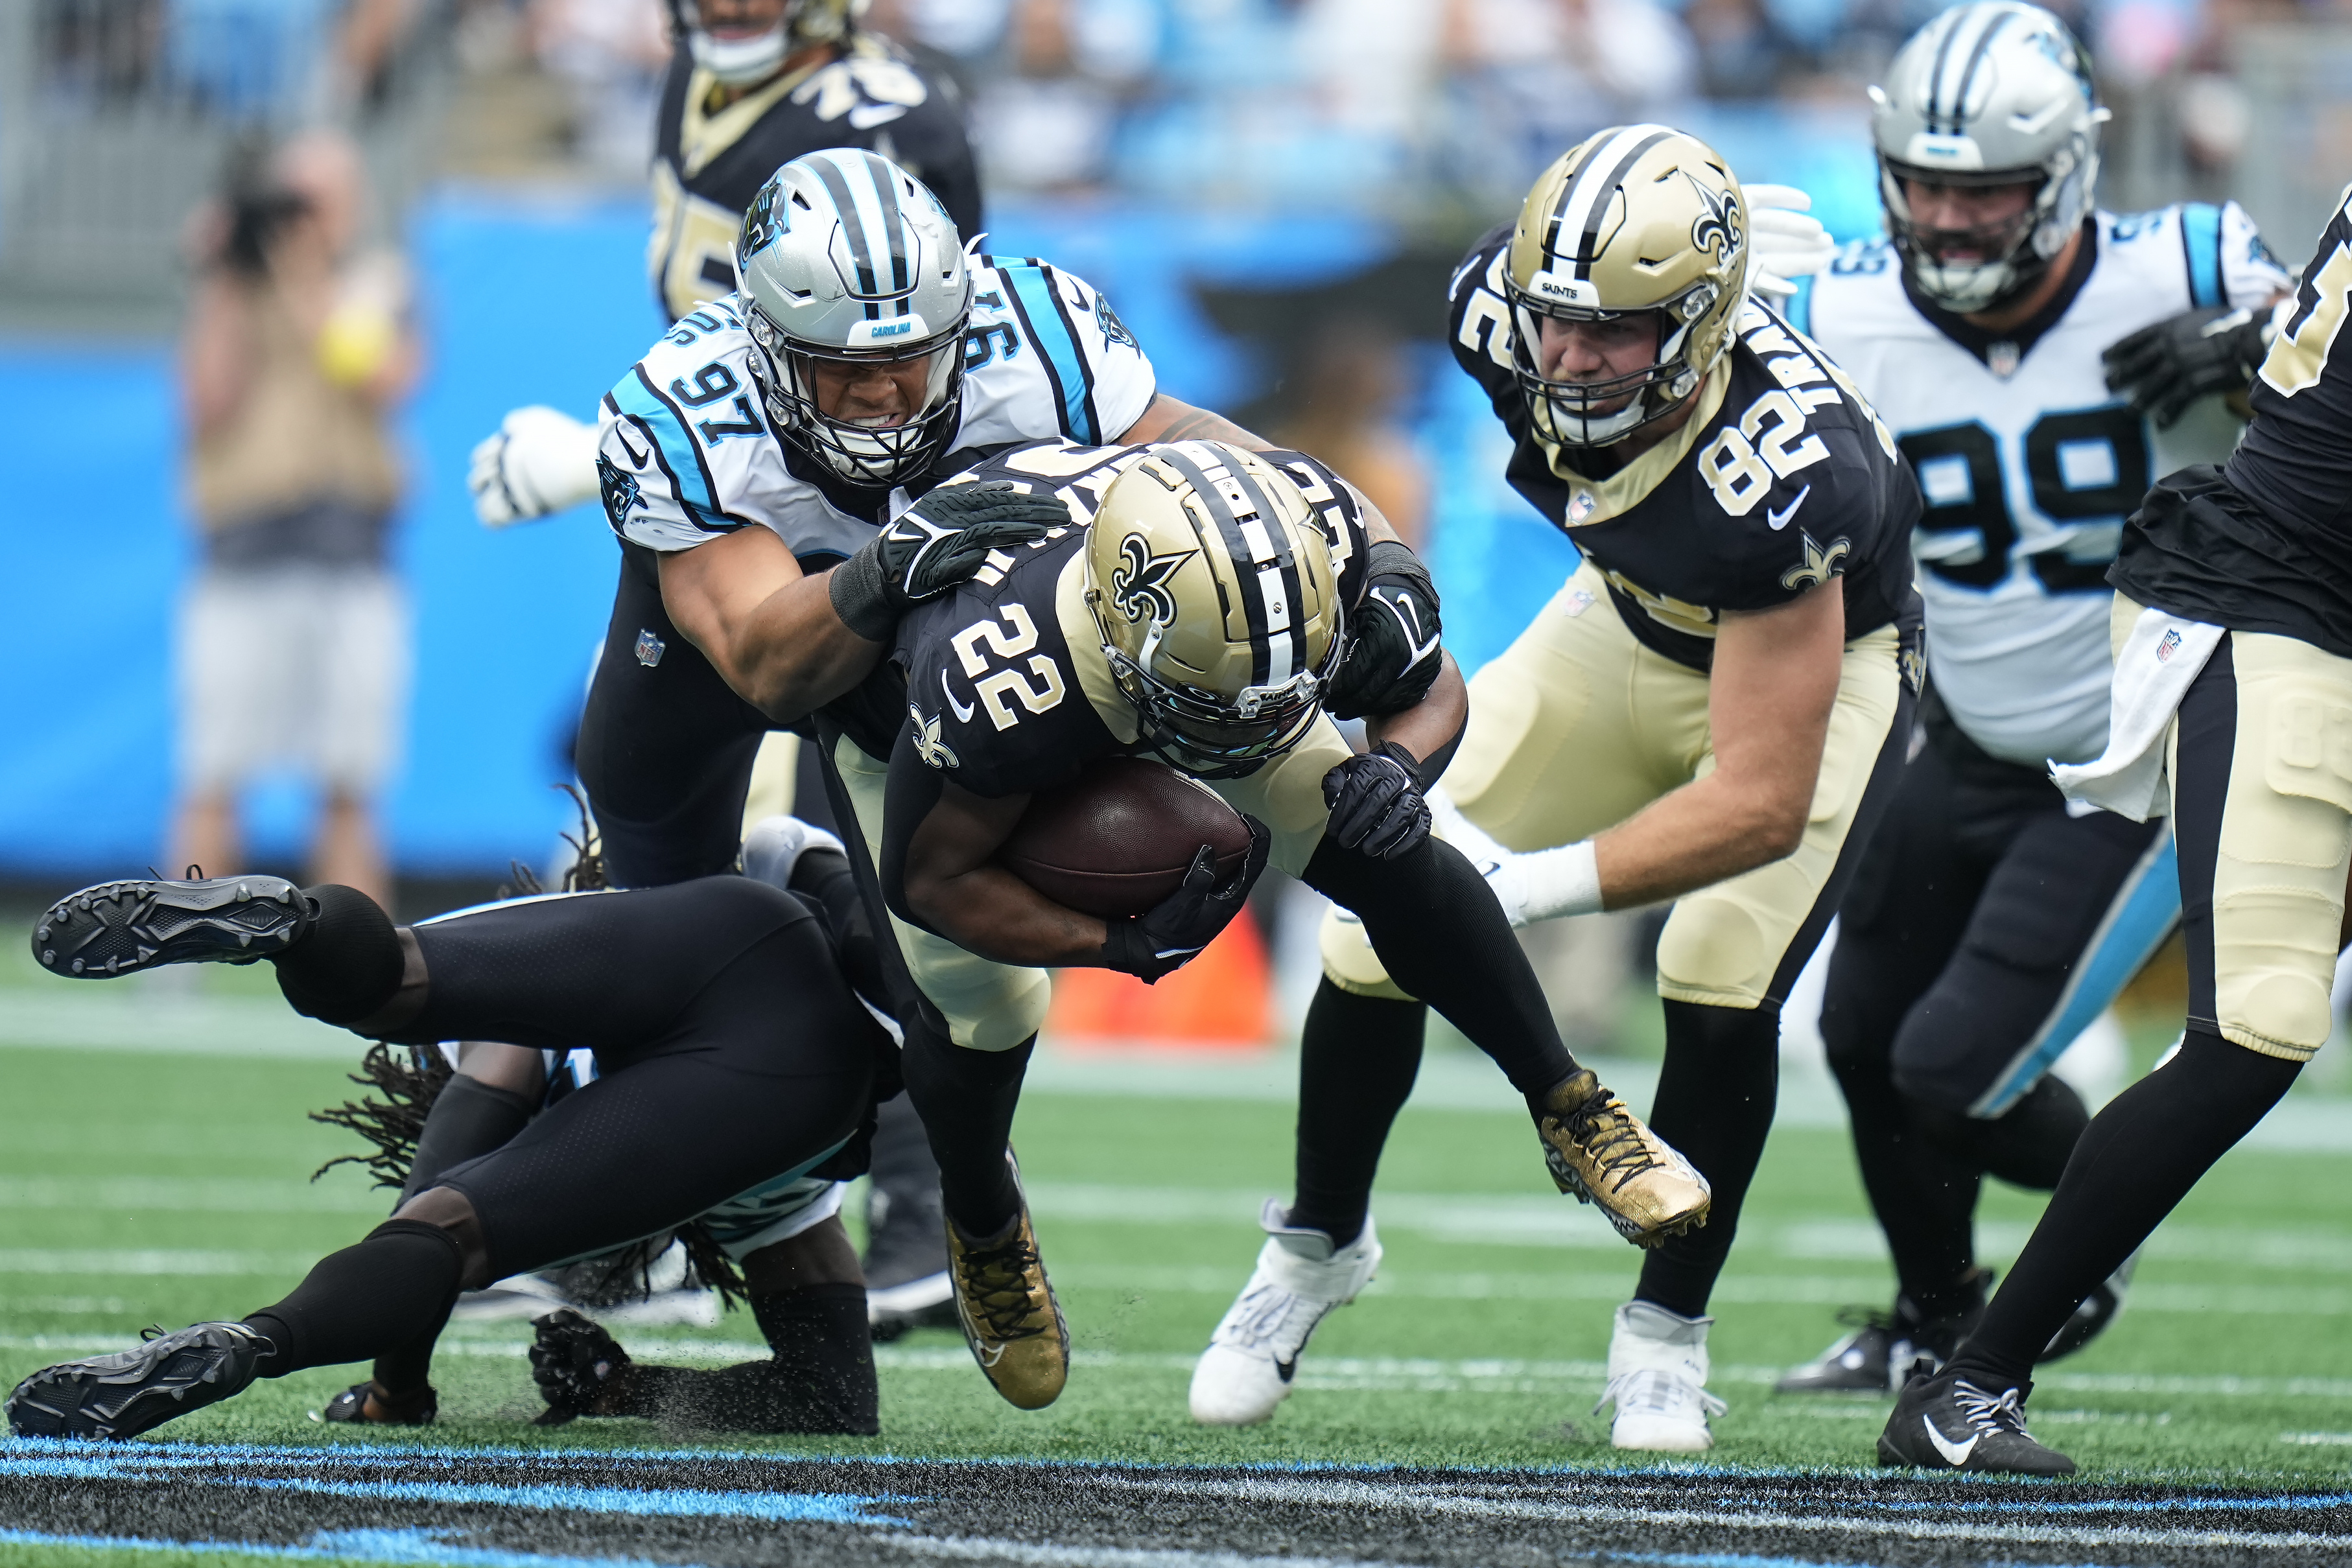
(142, 1187)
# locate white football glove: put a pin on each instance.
(1785, 242)
(540, 461)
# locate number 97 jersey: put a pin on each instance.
(2027, 463)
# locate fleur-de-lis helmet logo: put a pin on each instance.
(1717, 227)
(1139, 584)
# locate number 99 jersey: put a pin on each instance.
(2027, 463)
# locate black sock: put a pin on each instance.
(1435, 925)
(1925, 1197)
(1357, 1062)
(2026, 1146)
(395, 1284)
(2136, 1161)
(1715, 1103)
(967, 1099)
(821, 1378)
(348, 964)
(469, 1118)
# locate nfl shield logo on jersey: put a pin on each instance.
(2001, 359)
(650, 649)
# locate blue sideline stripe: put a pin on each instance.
(1052, 334)
(819, 1508)
(2201, 240)
(2138, 922)
(418, 1546)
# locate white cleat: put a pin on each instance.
(1657, 1380)
(1300, 1279)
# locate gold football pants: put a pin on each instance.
(1579, 724)
(2260, 757)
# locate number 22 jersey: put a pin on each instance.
(2027, 463)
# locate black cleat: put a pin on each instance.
(1886, 1348)
(2091, 1319)
(123, 1394)
(1946, 1423)
(351, 1407)
(122, 927)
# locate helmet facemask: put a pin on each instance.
(742, 61)
(2003, 260)
(1210, 736)
(1600, 412)
(878, 455)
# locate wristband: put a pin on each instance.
(861, 594)
(1565, 881)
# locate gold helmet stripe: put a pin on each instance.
(1259, 547)
(1584, 201)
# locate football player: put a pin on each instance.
(2232, 706)
(1218, 600)
(752, 85)
(736, 1057)
(1713, 710)
(1990, 923)
(766, 438)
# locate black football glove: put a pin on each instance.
(1172, 933)
(573, 1362)
(2166, 367)
(1395, 658)
(1375, 803)
(933, 545)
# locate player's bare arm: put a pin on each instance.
(1775, 679)
(955, 884)
(767, 627)
(1433, 723)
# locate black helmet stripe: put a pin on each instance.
(894, 227)
(1264, 570)
(861, 252)
(1936, 76)
(1983, 47)
(1584, 201)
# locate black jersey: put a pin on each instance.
(1003, 677)
(2265, 544)
(1784, 478)
(708, 165)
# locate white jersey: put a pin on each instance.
(685, 452)
(2028, 464)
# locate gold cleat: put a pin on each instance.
(1010, 1317)
(1602, 1152)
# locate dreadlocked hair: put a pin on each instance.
(627, 1273)
(409, 1079)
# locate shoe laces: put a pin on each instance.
(1607, 1132)
(1989, 1413)
(1266, 1318)
(995, 1287)
(1657, 1391)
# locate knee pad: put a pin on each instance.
(1348, 961)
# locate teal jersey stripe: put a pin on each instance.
(2201, 241)
(674, 445)
(1066, 363)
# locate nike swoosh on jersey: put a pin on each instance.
(1955, 1454)
(1779, 519)
(637, 458)
(963, 711)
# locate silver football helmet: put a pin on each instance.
(1996, 92)
(738, 62)
(847, 257)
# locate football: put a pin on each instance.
(1118, 839)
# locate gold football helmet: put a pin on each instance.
(1641, 219)
(1212, 584)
